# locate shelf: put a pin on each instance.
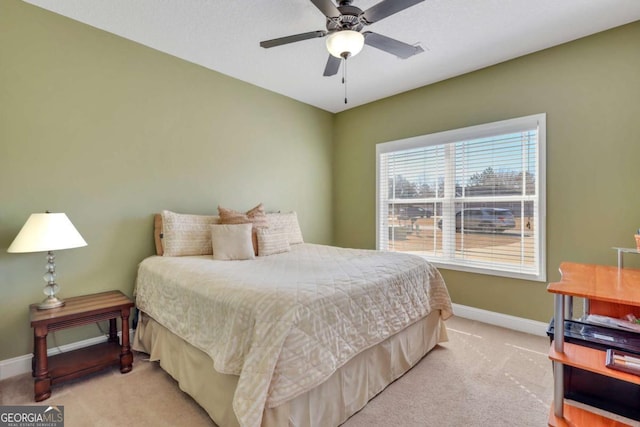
(589, 359)
(622, 251)
(73, 364)
(600, 282)
(578, 417)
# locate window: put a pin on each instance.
(469, 199)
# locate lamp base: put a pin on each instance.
(50, 302)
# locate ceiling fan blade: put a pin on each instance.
(395, 47)
(292, 39)
(333, 64)
(327, 7)
(387, 8)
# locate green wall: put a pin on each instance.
(110, 132)
(590, 90)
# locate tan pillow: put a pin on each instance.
(272, 241)
(255, 216)
(288, 222)
(231, 242)
(186, 234)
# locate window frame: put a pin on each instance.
(503, 127)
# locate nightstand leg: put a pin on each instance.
(33, 359)
(126, 357)
(42, 383)
(113, 331)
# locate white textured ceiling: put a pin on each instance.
(458, 36)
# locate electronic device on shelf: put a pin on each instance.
(596, 336)
(609, 394)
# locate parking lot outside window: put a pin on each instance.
(470, 199)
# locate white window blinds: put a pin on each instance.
(470, 199)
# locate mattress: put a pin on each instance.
(284, 324)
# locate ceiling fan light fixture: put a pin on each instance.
(345, 43)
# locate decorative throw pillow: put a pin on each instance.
(288, 222)
(231, 242)
(255, 216)
(186, 234)
(272, 241)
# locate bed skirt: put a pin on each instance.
(330, 404)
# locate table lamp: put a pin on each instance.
(47, 232)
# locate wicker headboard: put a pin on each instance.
(157, 233)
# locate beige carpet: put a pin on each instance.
(484, 376)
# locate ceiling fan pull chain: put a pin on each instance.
(344, 78)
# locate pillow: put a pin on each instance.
(272, 241)
(255, 216)
(185, 234)
(231, 242)
(288, 222)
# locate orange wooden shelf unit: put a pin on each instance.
(611, 291)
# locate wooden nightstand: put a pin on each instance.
(76, 312)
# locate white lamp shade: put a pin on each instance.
(345, 41)
(46, 232)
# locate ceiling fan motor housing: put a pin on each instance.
(351, 18)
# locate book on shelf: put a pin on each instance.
(623, 361)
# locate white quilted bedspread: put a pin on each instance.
(284, 323)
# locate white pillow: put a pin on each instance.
(255, 216)
(232, 242)
(272, 241)
(186, 234)
(288, 222)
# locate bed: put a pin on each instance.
(304, 337)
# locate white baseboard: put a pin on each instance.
(22, 364)
(503, 320)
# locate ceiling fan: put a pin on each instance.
(344, 28)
